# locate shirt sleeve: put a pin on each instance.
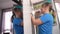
(17, 21)
(44, 18)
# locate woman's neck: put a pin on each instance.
(46, 11)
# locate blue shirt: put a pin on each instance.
(16, 25)
(46, 27)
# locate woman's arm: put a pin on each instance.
(36, 21)
(22, 24)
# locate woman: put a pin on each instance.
(17, 19)
(44, 22)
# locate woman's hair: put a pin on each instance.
(46, 4)
(50, 8)
(13, 16)
(16, 9)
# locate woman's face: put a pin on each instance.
(18, 14)
(44, 8)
